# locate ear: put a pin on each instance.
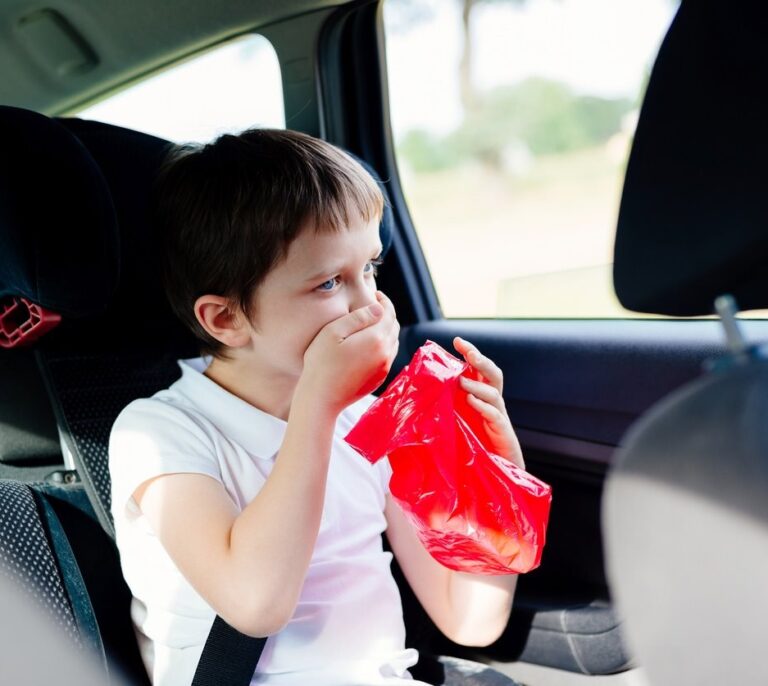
(222, 320)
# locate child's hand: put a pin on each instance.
(486, 397)
(350, 357)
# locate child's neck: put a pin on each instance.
(270, 392)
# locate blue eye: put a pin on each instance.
(328, 285)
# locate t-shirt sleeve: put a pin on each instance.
(152, 437)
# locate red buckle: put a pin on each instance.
(22, 322)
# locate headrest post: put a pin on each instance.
(726, 308)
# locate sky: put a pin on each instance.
(600, 47)
(230, 88)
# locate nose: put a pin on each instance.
(362, 294)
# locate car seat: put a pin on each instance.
(56, 220)
(24, 633)
(89, 255)
(686, 505)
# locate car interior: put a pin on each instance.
(653, 554)
(685, 509)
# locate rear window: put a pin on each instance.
(234, 86)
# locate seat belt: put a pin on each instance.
(229, 657)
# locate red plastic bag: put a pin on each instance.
(473, 510)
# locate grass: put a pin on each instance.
(482, 230)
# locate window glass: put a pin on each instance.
(512, 121)
(231, 87)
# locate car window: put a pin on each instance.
(228, 88)
(512, 121)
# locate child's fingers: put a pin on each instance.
(390, 318)
(357, 320)
(484, 391)
(480, 362)
(385, 302)
(393, 337)
(489, 412)
(499, 430)
(464, 347)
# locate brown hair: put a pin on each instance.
(228, 210)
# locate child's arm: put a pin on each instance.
(250, 566)
(469, 609)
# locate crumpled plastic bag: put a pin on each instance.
(473, 510)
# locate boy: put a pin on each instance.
(233, 492)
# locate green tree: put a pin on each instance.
(426, 152)
(544, 115)
(540, 115)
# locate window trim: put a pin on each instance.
(353, 92)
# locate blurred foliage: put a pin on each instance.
(425, 152)
(537, 115)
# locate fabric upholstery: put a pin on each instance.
(90, 391)
(686, 522)
(26, 558)
(28, 436)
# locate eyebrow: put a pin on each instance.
(325, 272)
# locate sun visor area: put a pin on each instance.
(58, 231)
(693, 222)
(55, 45)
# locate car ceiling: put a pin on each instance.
(61, 55)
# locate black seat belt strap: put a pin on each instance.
(229, 657)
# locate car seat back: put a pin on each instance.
(88, 390)
(53, 549)
(58, 234)
(29, 441)
(35, 555)
(686, 505)
(94, 367)
(686, 513)
(26, 634)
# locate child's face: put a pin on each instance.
(324, 276)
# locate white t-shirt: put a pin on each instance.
(348, 625)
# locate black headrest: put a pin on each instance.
(70, 184)
(129, 161)
(57, 222)
(693, 222)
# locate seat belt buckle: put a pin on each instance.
(22, 322)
